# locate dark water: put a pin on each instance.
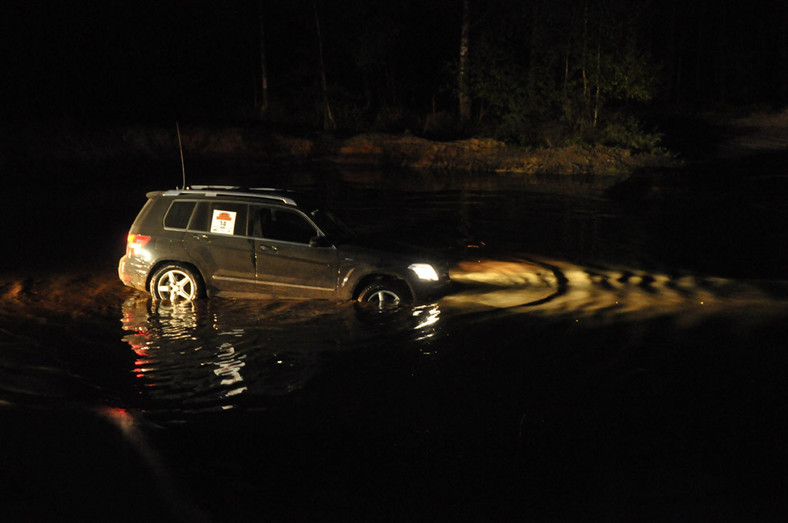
(615, 352)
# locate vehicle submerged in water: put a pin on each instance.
(207, 241)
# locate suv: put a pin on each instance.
(227, 241)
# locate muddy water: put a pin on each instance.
(606, 354)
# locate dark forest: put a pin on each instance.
(534, 71)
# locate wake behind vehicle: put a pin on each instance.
(234, 242)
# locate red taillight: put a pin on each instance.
(135, 243)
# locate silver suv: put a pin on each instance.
(228, 241)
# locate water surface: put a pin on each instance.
(611, 351)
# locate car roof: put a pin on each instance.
(263, 193)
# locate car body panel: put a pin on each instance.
(296, 270)
(229, 260)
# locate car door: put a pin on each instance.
(218, 242)
(285, 260)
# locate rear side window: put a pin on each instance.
(227, 218)
(178, 215)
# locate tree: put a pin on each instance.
(328, 117)
(263, 106)
(462, 82)
(549, 71)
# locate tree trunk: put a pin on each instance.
(462, 80)
(566, 69)
(263, 69)
(584, 65)
(672, 63)
(328, 117)
(532, 53)
(598, 84)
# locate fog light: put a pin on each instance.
(424, 271)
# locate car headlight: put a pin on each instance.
(424, 271)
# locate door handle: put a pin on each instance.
(271, 248)
(201, 237)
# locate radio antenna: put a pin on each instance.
(180, 148)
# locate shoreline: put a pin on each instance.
(95, 144)
(699, 140)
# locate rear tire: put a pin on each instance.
(175, 283)
(385, 295)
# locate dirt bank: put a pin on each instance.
(488, 155)
(70, 296)
(691, 139)
(398, 150)
(97, 144)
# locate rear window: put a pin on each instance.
(178, 215)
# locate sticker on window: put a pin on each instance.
(223, 222)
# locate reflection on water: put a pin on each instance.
(427, 317)
(215, 354)
(229, 369)
(219, 354)
(195, 354)
(541, 286)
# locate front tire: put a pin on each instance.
(385, 295)
(175, 283)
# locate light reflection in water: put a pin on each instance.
(176, 359)
(427, 317)
(228, 368)
(221, 353)
(552, 288)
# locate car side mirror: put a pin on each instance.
(319, 241)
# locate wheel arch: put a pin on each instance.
(369, 279)
(161, 263)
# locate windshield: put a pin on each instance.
(334, 228)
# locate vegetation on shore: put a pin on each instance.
(714, 135)
(93, 144)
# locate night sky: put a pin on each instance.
(153, 60)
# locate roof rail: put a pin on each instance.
(206, 187)
(233, 190)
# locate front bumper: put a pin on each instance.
(429, 290)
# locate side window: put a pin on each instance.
(227, 218)
(259, 216)
(178, 215)
(282, 225)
